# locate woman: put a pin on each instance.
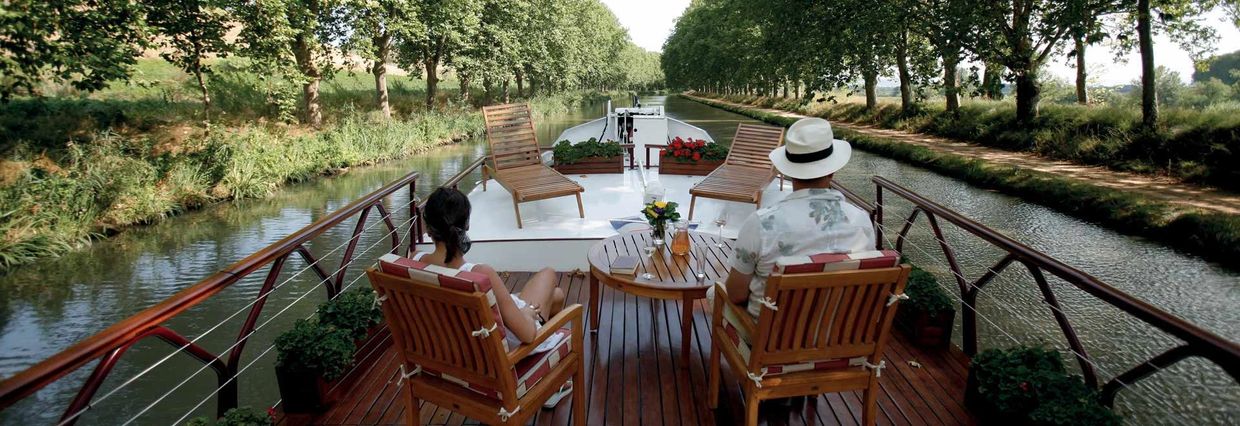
(447, 219)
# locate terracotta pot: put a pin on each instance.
(592, 165)
(303, 393)
(669, 166)
(926, 330)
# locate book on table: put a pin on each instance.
(625, 265)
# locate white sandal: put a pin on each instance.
(565, 390)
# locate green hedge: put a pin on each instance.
(1215, 236)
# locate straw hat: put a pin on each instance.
(810, 150)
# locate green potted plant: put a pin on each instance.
(928, 314)
(591, 156)
(311, 356)
(240, 416)
(691, 157)
(1030, 386)
(356, 312)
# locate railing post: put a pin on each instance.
(878, 215)
(1078, 349)
(234, 357)
(334, 289)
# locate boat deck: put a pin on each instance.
(634, 376)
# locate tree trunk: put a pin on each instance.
(796, 90)
(1028, 94)
(906, 83)
(520, 82)
(871, 84)
(382, 50)
(504, 90)
(431, 62)
(1082, 95)
(464, 77)
(1149, 103)
(992, 81)
(951, 85)
(202, 86)
(488, 90)
(310, 87)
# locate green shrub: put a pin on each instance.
(566, 152)
(354, 311)
(925, 294)
(241, 416)
(1030, 385)
(313, 348)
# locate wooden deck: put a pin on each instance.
(634, 377)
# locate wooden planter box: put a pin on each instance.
(302, 395)
(928, 331)
(669, 166)
(592, 165)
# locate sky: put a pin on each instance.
(650, 22)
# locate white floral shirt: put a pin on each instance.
(808, 221)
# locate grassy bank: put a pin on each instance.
(1194, 145)
(1215, 236)
(74, 167)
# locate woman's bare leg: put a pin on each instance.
(557, 301)
(540, 291)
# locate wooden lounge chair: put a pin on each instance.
(746, 171)
(821, 332)
(450, 343)
(515, 160)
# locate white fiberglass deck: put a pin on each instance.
(555, 236)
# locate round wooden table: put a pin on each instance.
(661, 275)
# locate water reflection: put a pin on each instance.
(45, 307)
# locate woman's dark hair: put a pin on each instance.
(447, 218)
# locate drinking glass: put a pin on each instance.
(700, 252)
(720, 222)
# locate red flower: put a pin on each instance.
(1024, 386)
(271, 412)
(662, 152)
(697, 156)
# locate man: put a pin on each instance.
(813, 219)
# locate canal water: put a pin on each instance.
(47, 306)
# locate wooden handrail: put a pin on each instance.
(128, 331)
(1197, 341)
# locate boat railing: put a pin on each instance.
(110, 345)
(1195, 341)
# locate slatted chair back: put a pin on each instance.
(510, 133)
(837, 315)
(438, 329)
(753, 144)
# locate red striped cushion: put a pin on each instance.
(455, 279)
(827, 262)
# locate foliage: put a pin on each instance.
(661, 212)
(192, 31)
(241, 416)
(354, 311)
(1031, 384)
(85, 43)
(1210, 234)
(566, 152)
(925, 294)
(1221, 67)
(693, 150)
(314, 348)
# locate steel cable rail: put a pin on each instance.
(1014, 314)
(110, 344)
(260, 326)
(219, 324)
(1197, 341)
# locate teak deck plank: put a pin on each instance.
(635, 375)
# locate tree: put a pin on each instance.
(448, 26)
(306, 30)
(1021, 35)
(192, 31)
(376, 25)
(85, 43)
(1221, 67)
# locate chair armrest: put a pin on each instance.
(570, 313)
(746, 321)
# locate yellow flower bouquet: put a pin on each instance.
(658, 214)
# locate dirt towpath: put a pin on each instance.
(1155, 187)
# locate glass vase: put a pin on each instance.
(658, 230)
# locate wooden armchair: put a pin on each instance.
(817, 332)
(515, 160)
(450, 341)
(746, 171)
